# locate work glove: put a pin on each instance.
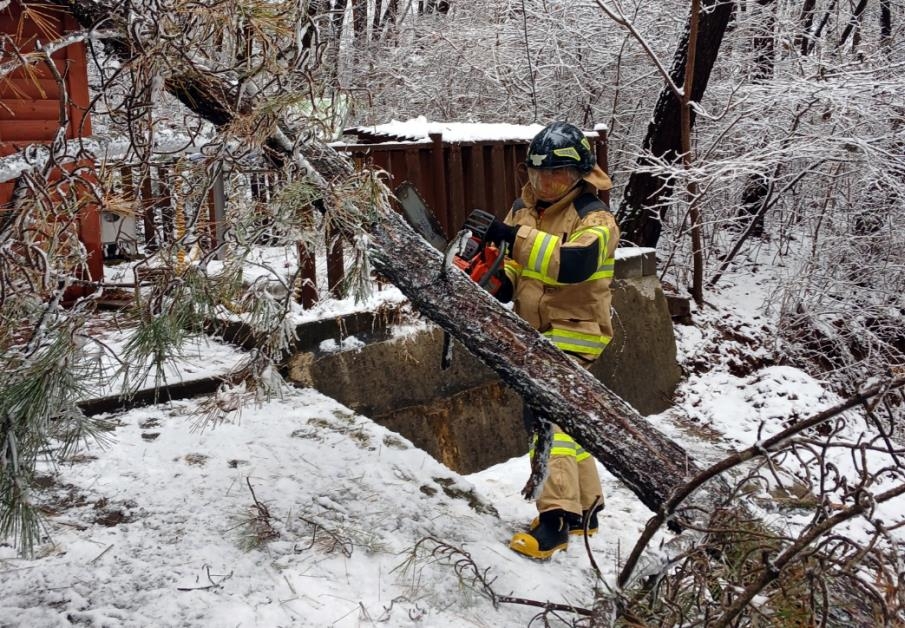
(499, 232)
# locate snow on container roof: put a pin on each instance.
(421, 128)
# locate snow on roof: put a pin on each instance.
(420, 128)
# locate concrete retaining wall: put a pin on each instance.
(464, 416)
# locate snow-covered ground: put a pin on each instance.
(150, 531)
(161, 528)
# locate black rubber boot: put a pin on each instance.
(593, 523)
(550, 535)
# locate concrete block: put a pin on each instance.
(649, 263)
(629, 267)
(464, 416)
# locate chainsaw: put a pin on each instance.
(471, 253)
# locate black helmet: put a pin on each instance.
(561, 145)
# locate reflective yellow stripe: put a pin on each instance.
(604, 271)
(563, 445)
(603, 236)
(541, 253)
(599, 230)
(535, 249)
(511, 274)
(547, 281)
(577, 342)
(512, 266)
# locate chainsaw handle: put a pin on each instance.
(495, 266)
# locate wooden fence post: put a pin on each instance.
(601, 146)
(148, 211)
(217, 210)
(307, 277)
(335, 264)
(438, 160)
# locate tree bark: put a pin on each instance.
(764, 43)
(640, 212)
(360, 22)
(336, 35)
(375, 22)
(807, 21)
(818, 32)
(697, 247)
(853, 24)
(388, 21)
(885, 25)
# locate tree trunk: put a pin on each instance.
(764, 43)
(388, 21)
(375, 23)
(336, 34)
(807, 22)
(360, 22)
(639, 213)
(885, 25)
(853, 24)
(818, 33)
(697, 250)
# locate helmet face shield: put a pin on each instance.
(551, 184)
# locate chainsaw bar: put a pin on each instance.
(419, 216)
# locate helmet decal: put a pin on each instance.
(561, 145)
(567, 152)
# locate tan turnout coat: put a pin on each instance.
(574, 316)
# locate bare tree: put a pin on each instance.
(640, 213)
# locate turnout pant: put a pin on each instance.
(572, 483)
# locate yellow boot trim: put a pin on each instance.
(525, 544)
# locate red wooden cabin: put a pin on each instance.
(30, 100)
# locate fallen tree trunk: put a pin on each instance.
(648, 462)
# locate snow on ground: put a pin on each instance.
(157, 529)
(274, 266)
(148, 532)
(201, 357)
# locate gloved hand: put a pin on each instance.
(499, 232)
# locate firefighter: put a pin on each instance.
(562, 240)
